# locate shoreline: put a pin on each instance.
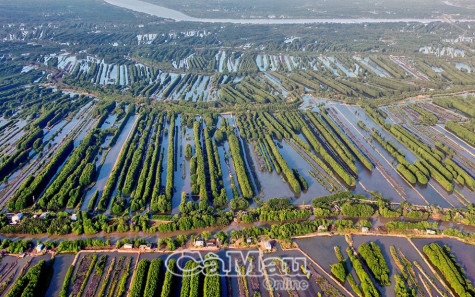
(167, 13)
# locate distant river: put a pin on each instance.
(167, 13)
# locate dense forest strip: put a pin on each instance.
(154, 172)
(332, 141)
(332, 163)
(201, 179)
(239, 166)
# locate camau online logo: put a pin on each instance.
(280, 273)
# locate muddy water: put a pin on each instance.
(326, 62)
(407, 250)
(467, 150)
(430, 193)
(67, 127)
(464, 253)
(109, 162)
(13, 133)
(376, 178)
(373, 67)
(371, 180)
(294, 160)
(316, 250)
(180, 184)
(222, 150)
(271, 183)
(164, 147)
(260, 62)
(48, 133)
(321, 249)
(276, 82)
(16, 265)
(342, 68)
(229, 174)
(452, 197)
(109, 122)
(60, 267)
(221, 61)
(63, 262)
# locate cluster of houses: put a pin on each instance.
(142, 247)
(214, 242)
(197, 243)
(16, 218)
(210, 243)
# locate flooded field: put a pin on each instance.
(344, 132)
(315, 254)
(123, 264)
(463, 253)
(61, 265)
(321, 249)
(405, 248)
(339, 135)
(13, 268)
(109, 162)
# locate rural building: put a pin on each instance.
(40, 247)
(364, 229)
(431, 232)
(145, 247)
(17, 218)
(128, 246)
(268, 246)
(211, 243)
(199, 242)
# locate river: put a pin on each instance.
(167, 13)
